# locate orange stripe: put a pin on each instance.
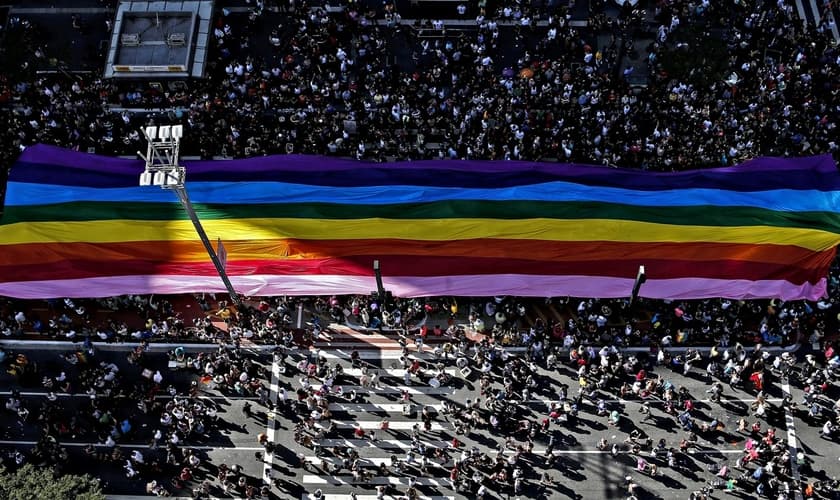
(193, 251)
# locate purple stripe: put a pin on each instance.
(475, 285)
(51, 165)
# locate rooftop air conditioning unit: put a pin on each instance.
(130, 40)
(176, 40)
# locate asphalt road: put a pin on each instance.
(232, 441)
(581, 471)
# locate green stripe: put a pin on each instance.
(696, 215)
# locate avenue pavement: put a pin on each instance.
(580, 471)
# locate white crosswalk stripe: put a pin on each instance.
(537, 451)
(398, 372)
(376, 481)
(343, 352)
(369, 461)
(413, 390)
(368, 497)
(377, 407)
(370, 425)
(326, 461)
(380, 403)
(386, 444)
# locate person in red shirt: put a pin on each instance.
(758, 381)
(641, 376)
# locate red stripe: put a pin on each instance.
(43, 253)
(396, 265)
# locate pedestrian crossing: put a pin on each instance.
(348, 480)
(341, 336)
(392, 459)
(413, 390)
(367, 462)
(396, 448)
(397, 372)
(820, 15)
(385, 444)
(376, 408)
(374, 425)
(367, 497)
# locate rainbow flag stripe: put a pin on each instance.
(79, 225)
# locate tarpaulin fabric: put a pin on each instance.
(79, 225)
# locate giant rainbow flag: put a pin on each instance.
(79, 225)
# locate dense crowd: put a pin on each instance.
(727, 81)
(506, 321)
(525, 437)
(141, 406)
(508, 382)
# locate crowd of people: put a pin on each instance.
(121, 410)
(508, 382)
(504, 413)
(722, 82)
(507, 321)
(726, 81)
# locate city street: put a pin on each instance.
(580, 469)
(344, 412)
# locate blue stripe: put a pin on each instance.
(786, 174)
(23, 194)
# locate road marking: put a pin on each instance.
(406, 445)
(369, 461)
(429, 391)
(376, 407)
(159, 396)
(147, 497)
(377, 461)
(370, 407)
(389, 444)
(392, 346)
(395, 372)
(547, 402)
(271, 424)
(135, 446)
(426, 353)
(374, 425)
(300, 316)
(332, 496)
(380, 480)
(792, 444)
(833, 24)
(801, 11)
(360, 443)
(397, 407)
(816, 12)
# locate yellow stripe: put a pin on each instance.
(417, 229)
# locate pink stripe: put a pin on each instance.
(409, 286)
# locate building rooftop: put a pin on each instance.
(163, 39)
